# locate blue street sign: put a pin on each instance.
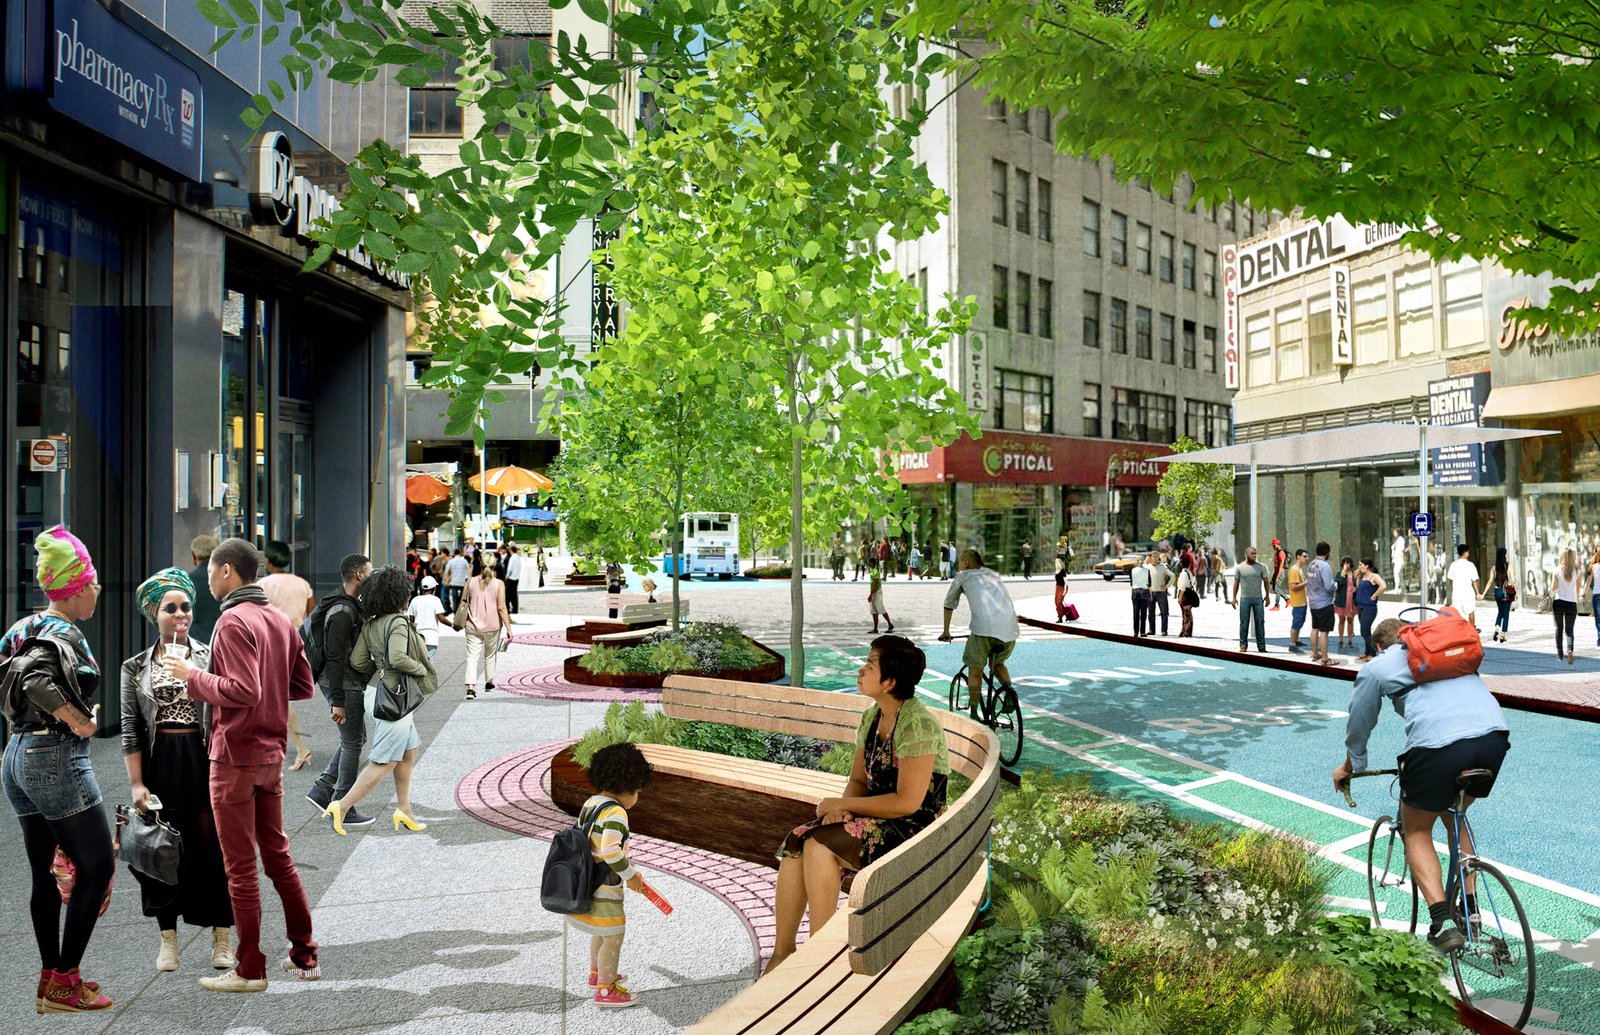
(1421, 524)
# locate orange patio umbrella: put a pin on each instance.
(425, 490)
(510, 481)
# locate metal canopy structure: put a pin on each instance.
(1340, 446)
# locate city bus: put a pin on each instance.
(710, 546)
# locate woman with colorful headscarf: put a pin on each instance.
(49, 676)
(165, 734)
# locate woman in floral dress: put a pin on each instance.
(897, 787)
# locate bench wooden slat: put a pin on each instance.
(731, 689)
(793, 985)
(745, 774)
(754, 710)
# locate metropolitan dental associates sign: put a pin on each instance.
(110, 78)
(1247, 268)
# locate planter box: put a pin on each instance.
(584, 580)
(774, 578)
(586, 632)
(770, 672)
(742, 824)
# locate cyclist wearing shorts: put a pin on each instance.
(993, 623)
(1452, 725)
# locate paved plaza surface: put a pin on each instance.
(441, 931)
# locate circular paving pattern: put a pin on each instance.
(546, 638)
(512, 793)
(549, 684)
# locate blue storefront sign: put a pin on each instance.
(1454, 402)
(105, 75)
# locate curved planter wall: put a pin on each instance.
(770, 672)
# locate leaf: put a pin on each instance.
(597, 10)
(213, 12)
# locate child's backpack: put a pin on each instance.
(571, 872)
(1443, 647)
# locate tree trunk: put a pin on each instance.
(797, 598)
(676, 537)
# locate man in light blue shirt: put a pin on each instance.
(1319, 596)
(993, 623)
(1452, 725)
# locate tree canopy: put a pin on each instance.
(1193, 497)
(1478, 118)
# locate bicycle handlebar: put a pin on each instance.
(1345, 790)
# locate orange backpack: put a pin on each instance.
(1442, 647)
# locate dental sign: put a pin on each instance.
(280, 196)
(110, 78)
(1248, 268)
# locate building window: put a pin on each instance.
(1047, 126)
(1228, 215)
(1289, 341)
(1208, 274)
(1166, 258)
(1025, 121)
(922, 288)
(1142, 333)
(512, 53)
(1188, 344)
(997, 110)
(1119, 238)
(1319, 334)
(1091, 319)
(1143, 416)
(1024, 220)
(434, 111)
(1258, 350)
(1000, 288)
(1209, 336)
(1046, 211)
(1372, 321)
(1091, 227)
(1169, 329)
(1000, 189)
(1462, 284)
(1413, 290)
(1188, 266)
(1091, 410)
(1024, 402)
(1119, 326)
(1024, 303)
(1209, 424)
(1141, 248)
(1047, 308)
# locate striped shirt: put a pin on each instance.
(609, 835)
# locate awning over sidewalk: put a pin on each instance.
(1544, 398)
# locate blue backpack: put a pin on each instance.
(571, 872)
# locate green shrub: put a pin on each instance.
(723, 740)
(670, 656)
(602, 660)
(1397, 973)
(840, 759)
(627, 724)
(770, 571)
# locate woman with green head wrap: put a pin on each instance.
(165, 733)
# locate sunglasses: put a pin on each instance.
(173, 609)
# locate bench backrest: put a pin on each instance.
(898, 897)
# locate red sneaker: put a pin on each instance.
(68, 993)
(44, 983)
(614, 997)
(594, 978)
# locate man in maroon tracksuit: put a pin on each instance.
(257, 667)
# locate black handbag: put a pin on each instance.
(150, 845)
(393, 703)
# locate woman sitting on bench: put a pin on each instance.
(897, 787)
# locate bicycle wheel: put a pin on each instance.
(1006, 721)
(1386, 868)
(1497, 961)
(958, 691)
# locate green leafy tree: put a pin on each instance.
(1193, 497)
(765, 203)
(1479, 118)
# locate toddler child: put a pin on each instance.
(619, 772)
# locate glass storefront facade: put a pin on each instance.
(1560, 497)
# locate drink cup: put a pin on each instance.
(174, 650)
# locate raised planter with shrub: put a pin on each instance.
(697, 649)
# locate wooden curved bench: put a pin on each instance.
(873, 962)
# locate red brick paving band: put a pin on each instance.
(550, 685)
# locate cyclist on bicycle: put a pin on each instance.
(1452, 725)
(993, 624)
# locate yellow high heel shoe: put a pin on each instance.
(410, 824)
(337, 811)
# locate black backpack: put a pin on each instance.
(314, 630)
(571, 872)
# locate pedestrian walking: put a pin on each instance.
(487, 621)
(457, 570)
(388, 648)
(913, 563)
(1027, 557)
(949, 560)
(258, 665)
(47, 673)
(1369, 587)
(513, 578)
(426, 611)
(836, 558)
(1161, 578)
(337, 621)
(540, 563)
(1249, 596)
(1219, 581)
(164, 733)
(932, 560)
(1344, 602)
(1061, 590)
(861, 562)
(1064, 551)
(1280, 561)
(1397, 560)
(1505, 592)
(206, 612)
(1594, 593)
(875, 600)
(614, 583)
(618, 772)
(1139, 582)
(1296, 579)
(292, 595)
(1188, 597)
(1320, 599)
(1564, 602)
(1463, 578)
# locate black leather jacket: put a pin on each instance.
(139, 701)
(41, 677)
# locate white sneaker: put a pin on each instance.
(167, 958)
(232, 982)
(222, 948)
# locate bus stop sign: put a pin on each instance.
(1421, 524)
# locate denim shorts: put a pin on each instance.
(49, 775)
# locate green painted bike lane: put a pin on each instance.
(1262, 743)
